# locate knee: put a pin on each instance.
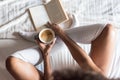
(109, 30)
(109, 27)
(10, 63)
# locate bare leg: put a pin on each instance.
(101, 50)
(21, 70)
(103, 47)
(77, 52)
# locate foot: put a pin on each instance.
(72, 22)
(28, 35)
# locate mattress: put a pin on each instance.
(14, 17)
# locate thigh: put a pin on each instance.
(33, 55)
(85, 34)
(102, 48)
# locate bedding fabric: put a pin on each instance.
(14, 17)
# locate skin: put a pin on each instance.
(102, 48)
(45, 49)
(101, 51)
(21, 70)
(77, 52)
(99, 60)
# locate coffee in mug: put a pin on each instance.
(46, 35)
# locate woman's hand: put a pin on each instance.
(45, 48)
(56, 28)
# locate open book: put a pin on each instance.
(52, 12)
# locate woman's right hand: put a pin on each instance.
(45, 48)
(56, 28)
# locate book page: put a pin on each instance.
(55, 12)
(39, 16)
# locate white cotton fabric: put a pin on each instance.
(81, 34)
(85, 34)
(72, 22)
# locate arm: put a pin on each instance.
(77, 52)
(47, 68)
(45, 49)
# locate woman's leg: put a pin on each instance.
(102, 48)
(22, 70)
(72, 33)
(21, 64)
(85, 34)
(103, 40)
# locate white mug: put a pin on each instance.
(46, 35)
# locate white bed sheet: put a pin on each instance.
(14, 17)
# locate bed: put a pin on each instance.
(14, 17)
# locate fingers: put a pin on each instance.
(48, 24)
(49, 47)
(52, 43)
(36, 39)
(45, 47)
(51, 25)
(41, 45)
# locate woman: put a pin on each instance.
(88, 70)
(101, 36)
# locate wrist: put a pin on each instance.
(61, 33)
(46, 56)
(63, 36)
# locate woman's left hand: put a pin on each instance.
(45, 48)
